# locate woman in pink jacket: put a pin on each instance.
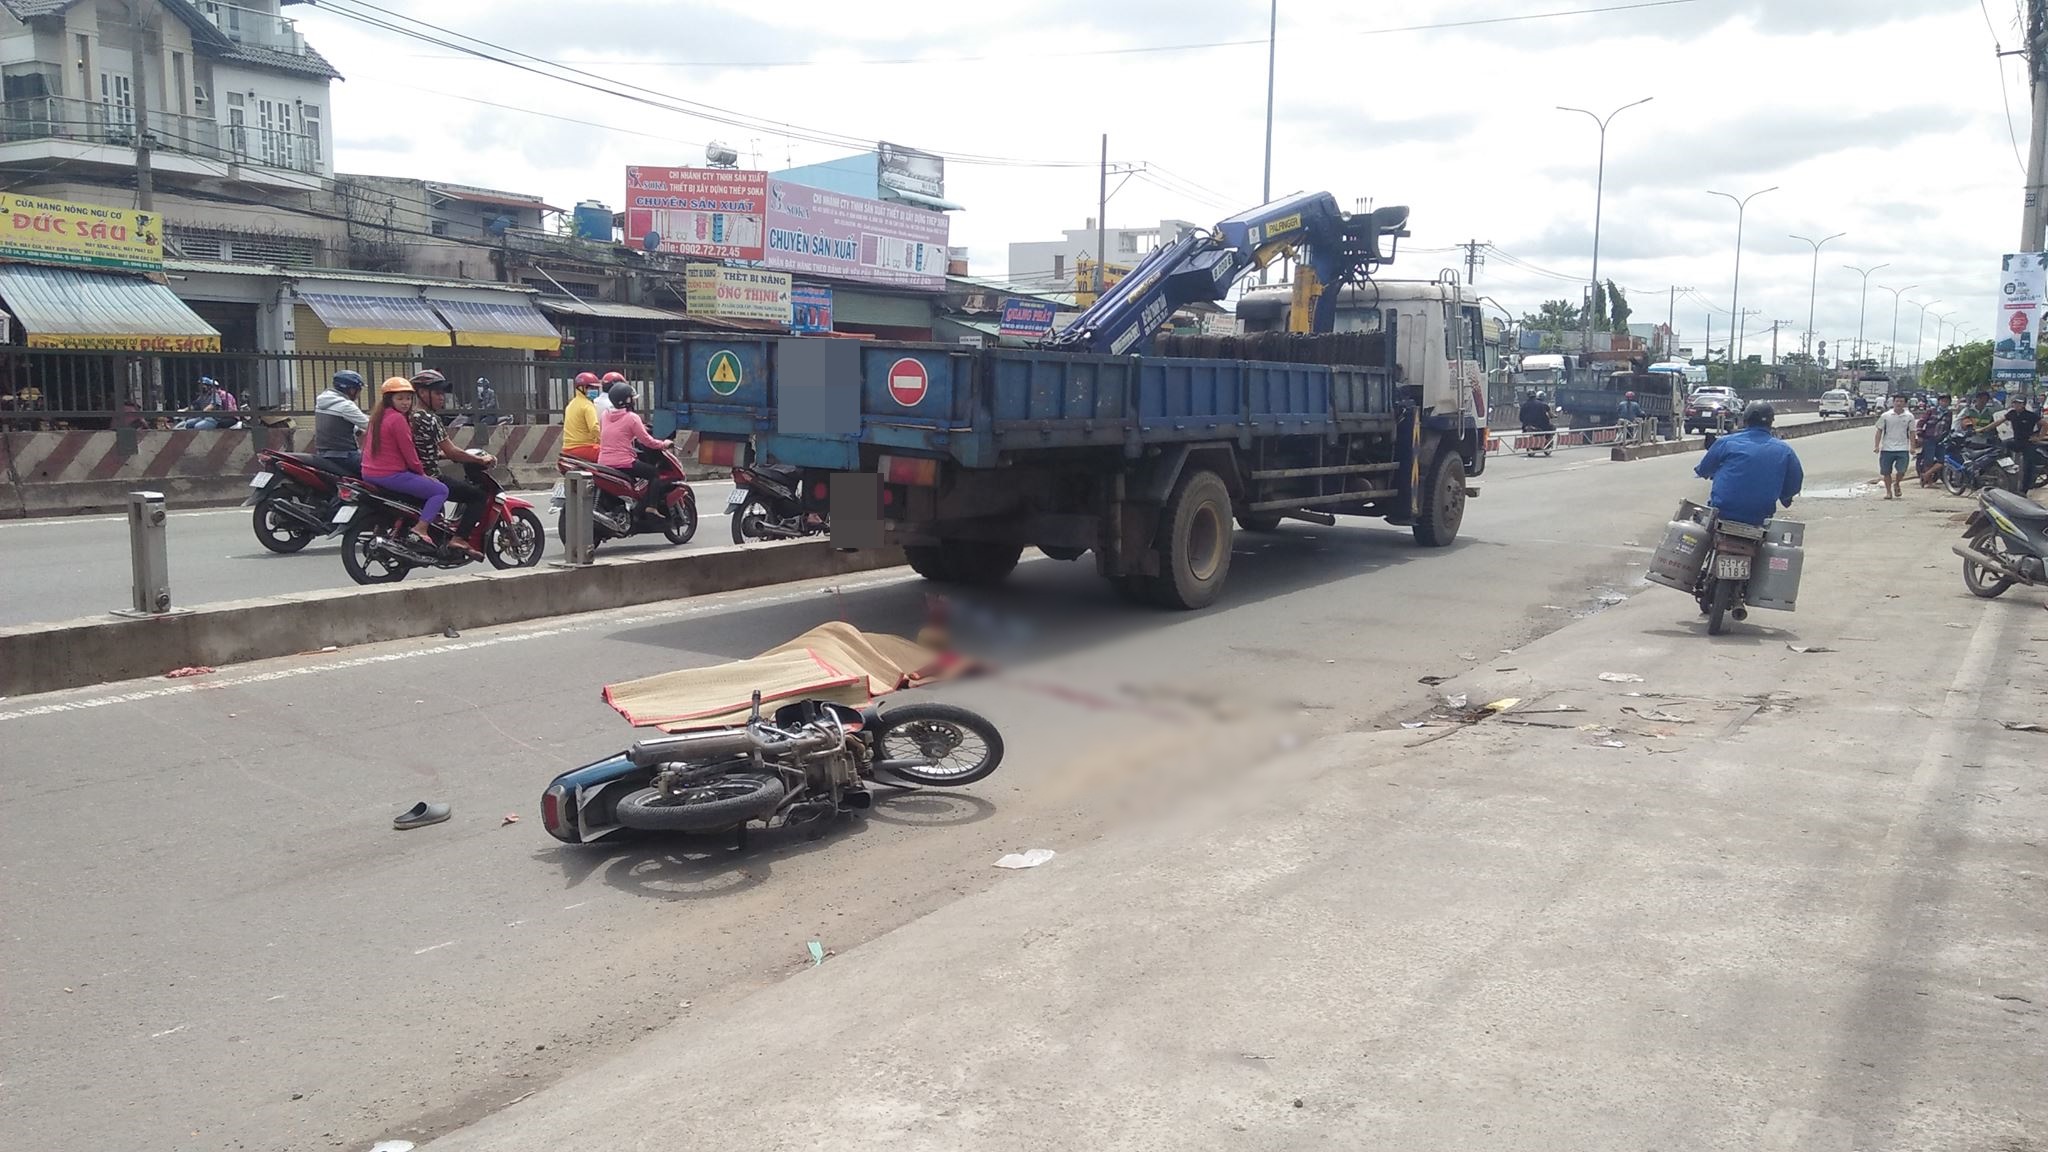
(621, 433)
(391, 461)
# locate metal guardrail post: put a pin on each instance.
(579, 497)
(148, 558)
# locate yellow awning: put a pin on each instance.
(512, 323)
(398, 320)
(104, 311)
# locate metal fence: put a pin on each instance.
(50, 388)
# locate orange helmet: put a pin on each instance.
(396, 385)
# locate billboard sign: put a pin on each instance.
(822, 233)
(2021, 294)
(715, 213)
(908, 170)
(45, 231)
(1026, 318)
(811, 308)
(737, 293)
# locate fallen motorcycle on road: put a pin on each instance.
(2007, 544)
(804, 766)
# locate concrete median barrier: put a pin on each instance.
(96, 650)
(60, 473)
(1699, 443)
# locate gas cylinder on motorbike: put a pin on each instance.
(1683, 552)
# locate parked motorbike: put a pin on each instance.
(295, 495)
(378, 545)
(807, 764)
(2006, 544)
(1972, 462)
(1728, 567)
(621, 508)
(767, 504)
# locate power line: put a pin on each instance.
(2004, 89)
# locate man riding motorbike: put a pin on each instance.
(1630, 418)
(1536, 418)
(623, 431)
(1752, 470)
(338, 422)
(580, 430)
(430, 438)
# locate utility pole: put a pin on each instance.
(2035, 212)
(1102, 219)
(1813, 284)
(145, 181)
(1272, 50)
(1473, 259)
(1774, 342)
(1671, 323)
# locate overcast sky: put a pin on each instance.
(1884, 119)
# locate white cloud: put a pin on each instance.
(1905, 149)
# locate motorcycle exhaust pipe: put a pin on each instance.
(1984, 561)
(712, 744)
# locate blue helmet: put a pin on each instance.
(348, 381)
(208, 382)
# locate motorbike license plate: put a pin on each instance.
(1731, 567)
(344, 514)
(735, 501)
(261, 480)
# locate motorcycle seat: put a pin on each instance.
(2016, 507)
(327, 464)
(597, 469)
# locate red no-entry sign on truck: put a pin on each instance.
(908, 382)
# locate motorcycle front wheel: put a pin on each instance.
(517, 541)
(713, 805)
(1717, 608)
(362, 566)
(963, 746)
(1982, 581)
(681, 523)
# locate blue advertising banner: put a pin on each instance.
(1026, 318)
(810, 309)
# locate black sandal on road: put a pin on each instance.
(420, 815)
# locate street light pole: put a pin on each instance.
(1599, 193)
(1891, 356)
(1920, 336)
(1272, 48)
(1735, 304)
(1813, 284)
(1863, 300)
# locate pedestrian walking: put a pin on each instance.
(1893, 445)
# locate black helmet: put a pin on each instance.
(620, 394)
(346, 381)
(431, 380)
(1759, 415)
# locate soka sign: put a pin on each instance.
(737, 293)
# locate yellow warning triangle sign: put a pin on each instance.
(724, 369)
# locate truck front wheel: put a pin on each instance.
(1195, 554)
(1442, 502)
(972, 562)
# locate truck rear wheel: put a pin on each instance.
(973, 562)
(1195, 554)
(1443, 502)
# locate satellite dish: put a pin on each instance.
(720, 155)
(651, 242)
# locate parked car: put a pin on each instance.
(1713, 410)
(1836, 402)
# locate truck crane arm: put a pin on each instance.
(1332, 248)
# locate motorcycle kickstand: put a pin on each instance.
(739, 839)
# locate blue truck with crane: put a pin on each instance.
(1145, 449)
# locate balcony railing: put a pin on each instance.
(64, 118)
(261, 29)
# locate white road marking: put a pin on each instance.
(168, 1031)
(605, 620)
(433, 948)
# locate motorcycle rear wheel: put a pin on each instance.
(362, 567)
(746, 521)
(277, 531)
(966, 745)
(1952, 479)
(1982, 581)
(1717, 609)
(714, 805)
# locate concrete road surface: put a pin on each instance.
(62, 568)
(206, 905)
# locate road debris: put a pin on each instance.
(1612, 744)
(450, 633)
(1468, 655)
(2016, 726)
(420, 815)
(510, 818)
(392, 1146)
(1953, 624)
(1432, 681)
(1654, 716)
(1404, 724)
(1621, 678)
(1809, 648)
(1031, 858)
(818, 953)
(191, 670)
(1457, 700)
(1502, 705)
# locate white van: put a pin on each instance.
(1837, 402)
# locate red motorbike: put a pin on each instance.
(622, 508)
(296, 495)
(378, 545)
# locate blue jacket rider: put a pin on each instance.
(1752, 470)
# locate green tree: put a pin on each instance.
(1618, 309)
(1554, 316)
(1960, 368)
